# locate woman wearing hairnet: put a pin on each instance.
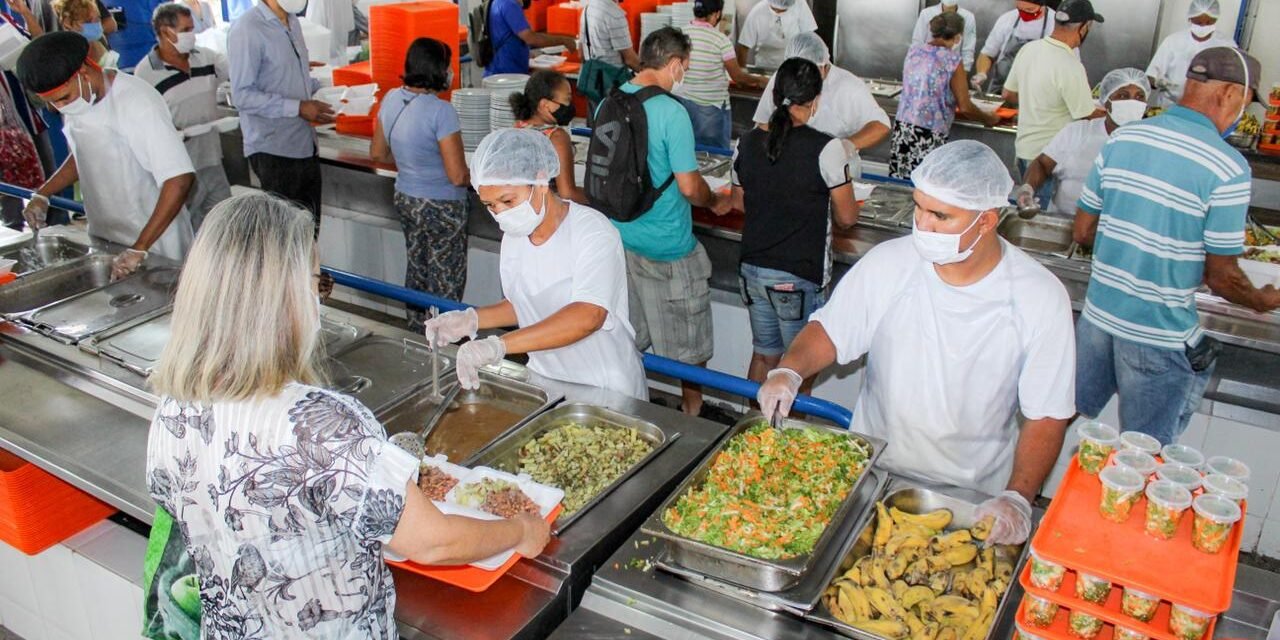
(1070, 155)
(768, 27)
(563, 273)
(963, 333)
(1168, 68)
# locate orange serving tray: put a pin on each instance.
(1074, 535)
(466, 576)
(1111, 612)
(1059, 629)
(39, 510)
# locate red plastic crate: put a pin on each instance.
(37, 510)
(353, 75)
(563, 20)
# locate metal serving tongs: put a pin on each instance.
(1263, 231)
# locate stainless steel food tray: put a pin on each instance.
(738, 568)
(505, 453)
(98, 310)
(380, 371)
(516, 396)
(804, 596)
(915, 499)
(42, 253)
(48, 286)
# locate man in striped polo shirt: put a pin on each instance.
(1164, 209)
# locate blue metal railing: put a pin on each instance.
(654, 364)
(25, 194)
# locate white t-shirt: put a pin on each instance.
(1074, 149)
(968, 43)
(1172, 60)
(845, 106)
(583, 261)
(766, 33)
(948, 367)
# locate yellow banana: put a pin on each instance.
(891, 629)
(832, 599)
(914, 624)
(1004, 570)
(863, 567)
(878, 576)
(990, 600)
(960, 554)
(884, 526)
(940, 582)
(929, 632)
(948, 633)
(936, 520)
(900, 542)
(948, 540)
(883, 602)
(854, 574)
(987, 560)
(897, 567)
(978, 630)
(916, 595)
(982, 528)
(917, 572)
(899, 587)
(976, 582)
(937, 563)
(955, 607)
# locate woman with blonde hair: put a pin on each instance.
(85, 18)
(285, 493)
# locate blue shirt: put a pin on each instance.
(270, 75)
(1169, 190)
(414, 124)
(510, 53)
(665, 232)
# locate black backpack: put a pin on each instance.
(618, 180)
(481, 39)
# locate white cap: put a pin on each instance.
(514, 156)
(965, 174)
(809, 46)
(1209, 8)
(1122, 77)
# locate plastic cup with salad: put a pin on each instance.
(1125, 633)
(1139, 441)
(1041, 612)
(1121, 488)
(1166, 501)
(1023, 634)
(1189, 624)
(1138, 605)
(1226, 486)
(1181, 475)
(1045, 574)
(1097, 441)
(1183, 455)
(1083, 625)
(1214, 518)
(1092, 588)
(1144, 463)
(1229, 467)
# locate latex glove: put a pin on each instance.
(450, 327)
(1025, 196)
(978, 82)
(779, 390)
(36, 211)
(476, 354)
(1012, 518)
(126, 262)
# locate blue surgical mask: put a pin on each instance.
(92, 31)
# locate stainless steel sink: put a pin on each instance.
(42, 253)
(1043, 234)
(54, 284)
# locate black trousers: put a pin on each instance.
(295, 179)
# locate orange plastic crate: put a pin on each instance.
(353, 75)
(1060, 628)
(37, 510)
(562, 20)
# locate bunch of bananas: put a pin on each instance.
(1249, 125)
(921, 582)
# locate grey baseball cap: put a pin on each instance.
(1226, 64)
(1077, 11)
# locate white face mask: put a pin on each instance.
(520, 221)
(1125, 111)
(292, 6)
(186, 42)
(1203, 31)
(677, 84)
(80, 105)
(942, 248)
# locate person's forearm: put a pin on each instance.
(496, 316)
(701, 195)
(741, 52)
(1230, 283)
(1039, 444)
(462, 539)
(869, 136)
(173, 193)
(1038, 172)
(630, 59)
(811, 351)
(572, 323)
(983, 65)
(28, 18)
(64, 177)
(1084, 228)
(537, 40)
(1010, 97)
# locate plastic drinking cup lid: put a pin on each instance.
(1216, 508)
(1180, 474)
(1100, 433)
(1139, 441)
(1229, 467)
(1141, 462)
(1120, 478)
(1225, 486)
(1169, 494)
(1182, 454)
(1143, 595)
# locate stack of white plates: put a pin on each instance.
(664, 8)
(500, 87)
(681, 14)
(650, 22)
(473, 113)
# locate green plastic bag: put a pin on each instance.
(597, 79)
(170, 588)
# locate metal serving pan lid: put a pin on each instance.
(379, 371)
(95, 311)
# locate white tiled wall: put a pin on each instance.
(87, 588)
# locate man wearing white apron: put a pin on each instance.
(768, 27)
(133, 170)
(1029, 21)
(564, 277)
(962, 333)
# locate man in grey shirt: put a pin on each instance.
(271, 86)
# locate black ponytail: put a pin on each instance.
(798, 81)
(542, 84)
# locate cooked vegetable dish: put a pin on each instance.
(770, 492)
(499, 497)
(582, 460)
(1138, 606)
(434, 482)
(1083, 625)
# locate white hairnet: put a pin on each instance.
(1210, 8)
(782, 4)
(965, 174)
(514, 156)
(809, 46)
(1119, 78)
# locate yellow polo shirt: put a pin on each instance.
(1053, 90)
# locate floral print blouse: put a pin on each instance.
(284, 504)
(926, 100)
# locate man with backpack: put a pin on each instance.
(643, 174)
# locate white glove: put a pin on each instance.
(36, 211)
(476, 354)
(778, 392)
(1025, 196)
(448, 328)
(978, 82)
(1012, 518)
(126, 262)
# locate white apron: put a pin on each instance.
(941, 386)
(1009, 50)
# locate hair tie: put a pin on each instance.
(786, 102)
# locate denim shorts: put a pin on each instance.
(1159, 391)
(779, 305)
(712, 126)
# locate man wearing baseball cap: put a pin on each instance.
(1164, 210)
